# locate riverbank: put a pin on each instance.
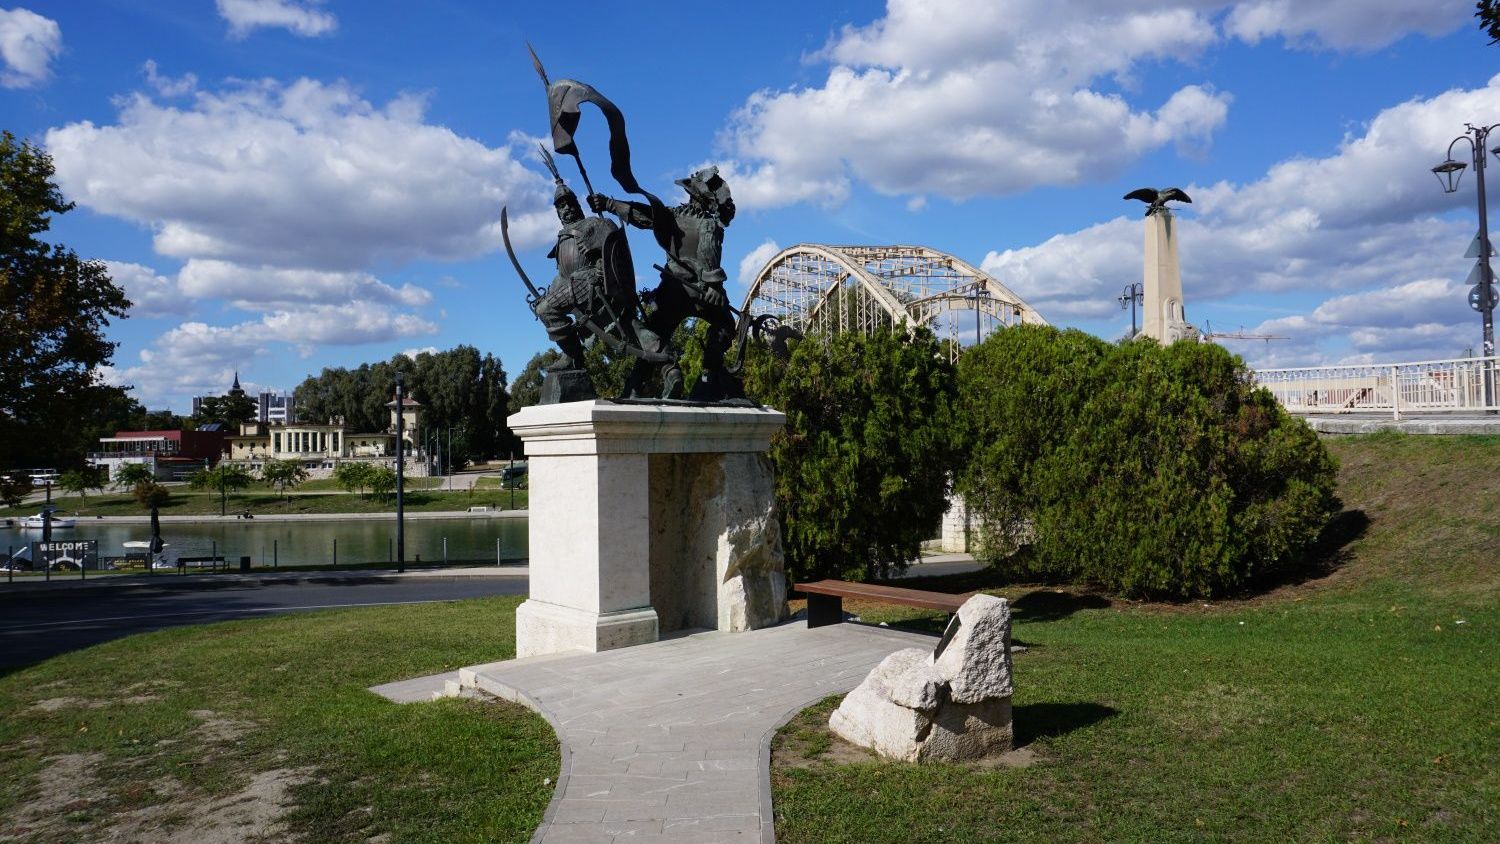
(269, 505)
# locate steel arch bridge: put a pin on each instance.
(818, 288)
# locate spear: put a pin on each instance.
(536, 62)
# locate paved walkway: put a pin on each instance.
(670, 742)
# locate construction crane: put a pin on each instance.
(1211, 334)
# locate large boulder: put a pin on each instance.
(950, 704)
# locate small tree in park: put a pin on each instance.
(382, 480)
(14, 489)
(353, 475)
(223, 477)
(862, 465)
(283, 475)
(80, 481)
(134, 474)
(151, 493)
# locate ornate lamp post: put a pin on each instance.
(1134, 294)
(1482, 298)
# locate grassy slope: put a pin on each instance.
(1352, 706)
(192, 503)
(447, 771)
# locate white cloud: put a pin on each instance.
(990, 97)
(1363, 25)
(261, 287)
(305, 174)
(1364, 226)
(301, 17)
(151, 294)
(196, 357)
(168, 86)
(758, 257)
(424, 350)
(28, 44)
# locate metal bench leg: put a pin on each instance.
(823, 610)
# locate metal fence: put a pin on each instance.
(1457, 385)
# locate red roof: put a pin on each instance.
(148, 435)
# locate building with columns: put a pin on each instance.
(320, 448)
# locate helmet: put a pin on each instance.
(707, 184)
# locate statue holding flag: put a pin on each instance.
(595, 279)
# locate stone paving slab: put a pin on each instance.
(671, 741)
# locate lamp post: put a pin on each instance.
(400, 476)
(1482, 298)
(1133, 294)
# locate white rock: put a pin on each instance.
(976, 657)
(909, 706)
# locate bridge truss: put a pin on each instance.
(818, 288)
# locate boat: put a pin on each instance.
(35, 522)
(159, 560)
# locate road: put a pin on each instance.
(44, 626)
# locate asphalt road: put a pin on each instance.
(44, 626)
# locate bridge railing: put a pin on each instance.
(1456, 385)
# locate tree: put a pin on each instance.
(152, 494)
(227, 410)
(54, 308)
(14, 488)
(134, 474)
(80, 481)
(862, 465)
(283, 474)
(382, 480)
(526, 390)
(353, 475)
(1147, 470)
(1488, 12)
(223, 477)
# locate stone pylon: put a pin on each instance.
(1164, 315)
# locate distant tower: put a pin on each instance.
(1165, 315)
(411, 410)
(234, 389)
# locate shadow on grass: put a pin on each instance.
(1055, 605)
(1044, 720)
(1323, 558)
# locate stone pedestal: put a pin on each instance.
(1164, 314)
(645, 519)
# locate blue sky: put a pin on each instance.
(283, 185)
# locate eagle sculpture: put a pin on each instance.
(1158, 198)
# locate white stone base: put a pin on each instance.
(543, 628)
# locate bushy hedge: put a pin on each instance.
(862, 465)
(1150, 471)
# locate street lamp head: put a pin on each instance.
(1496, 151)
(1448, 174)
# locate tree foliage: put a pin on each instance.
(224, 478)
(382, 481)
(80, 481)
(14, 488)
(862, 465)
(1151, 471)
(1488, 12)
(460, 390)
(151, 493)
(354, 475)
(283, 474)
(227, 410)
(132, 474)
(54, 308)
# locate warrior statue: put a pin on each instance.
(593, 291)
(692, 281)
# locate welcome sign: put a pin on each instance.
(83, 553)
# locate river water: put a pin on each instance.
(308, 542)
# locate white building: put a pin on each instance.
(321, 447)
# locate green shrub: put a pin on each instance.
(1150, 471)
(862, 465)
(151, 493)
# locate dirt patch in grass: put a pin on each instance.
(253, 813)
(218, 730)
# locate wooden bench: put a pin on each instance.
(825, 599)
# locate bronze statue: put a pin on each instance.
(1157, 198)
(692, 280)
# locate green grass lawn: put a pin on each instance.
(194, 503)
(1358, 706)
(147, 734)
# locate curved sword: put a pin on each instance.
(533, 296)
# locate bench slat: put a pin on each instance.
(887, 594)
